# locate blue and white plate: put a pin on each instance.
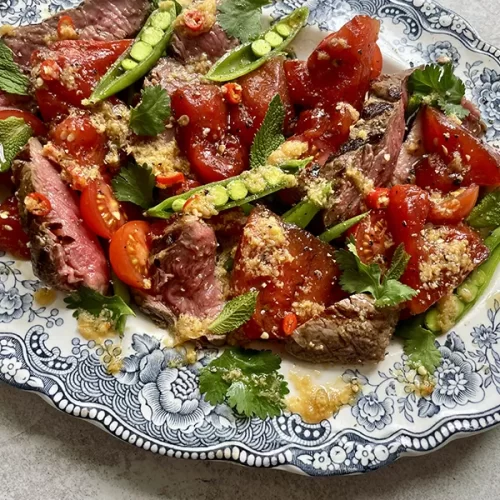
(157, 406)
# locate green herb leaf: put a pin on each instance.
(235, 313)
(149, 116)
(11, 78)
(419, 344)
(247, 380)
(437, 86)
(487, 212)
(135, 184)
(399, 262)
(114, 308)
(358, 277)
(241, 18)
(270, 134)
(14, 134)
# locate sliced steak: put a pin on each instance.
(473, 122)
(64, 253)
(369, 158)
(214, 44)
(184, 281)
(350, 331)
(94, 20)
(22, 102)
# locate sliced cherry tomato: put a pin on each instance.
(129, 254)
(433, 173)
(165, 181)
(194, 19)
(454, 207)
(36, 124)
(378, 198)
(377, 63)
(65, 28)
(407, 213)
(13, 239)
(100, 210)
(81, 64)
(232, 92)
(372, 237)
(476, 162)
(37, 204)
(289, 323)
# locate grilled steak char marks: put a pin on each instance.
(351, 331)
(94, 20)
(184, 281)
(369, 158)
(64, 253)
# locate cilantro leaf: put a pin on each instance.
(149, 116)
(86, 299)
(14, 134)
(235, 313)
(270, 134)
(358, 277)
(487, 212)
(419, 344)
(247, 380)
(11, 78)
(437, 86)
(135, 184)
(241, 18)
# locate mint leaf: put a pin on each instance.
(241, 18)
(86, 299)
(149, 116)
(14, 134)
(235, 313)
(270, 134)
(437, 86)
(358, 277)
(487, 212)
(11, 78)
(419, 344)
(247, 380)
(135, 184)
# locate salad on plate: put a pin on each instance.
(179, 158)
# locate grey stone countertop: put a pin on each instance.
(46, 455)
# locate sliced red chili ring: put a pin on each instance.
(37, 204)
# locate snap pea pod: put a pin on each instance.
(251, 55)
(141, 56)
(229, 193)
(301, 214)
(337, 230)
(465, 297)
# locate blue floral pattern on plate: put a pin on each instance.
(153, 400)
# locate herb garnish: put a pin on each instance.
(436, 85)
(241, 18)
(235, 313)
(487, 212)
(114, 308)
(358, 277)
(135, 184)
(11, 78)
(149, 116)
(14, 134)
(247, 380)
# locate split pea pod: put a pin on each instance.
(141, 56)
(251, 55)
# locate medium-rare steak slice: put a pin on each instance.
(64, 253)
(94, 20)
(350, 331)
(369, 158)
(183, 266)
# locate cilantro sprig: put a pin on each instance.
(487, 212)
(269, 137)
(11, 78)
(247, 380)
(135, 184)
(419, 344)
(436, 85)
(235, 313)
(149, 116)
(114, 308)
(358, 277)
(241, 18)
(14, 134)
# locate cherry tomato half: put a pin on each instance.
(13, 239)
(36, 124)
(100, 210)
(454, 207)
(129, 253)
